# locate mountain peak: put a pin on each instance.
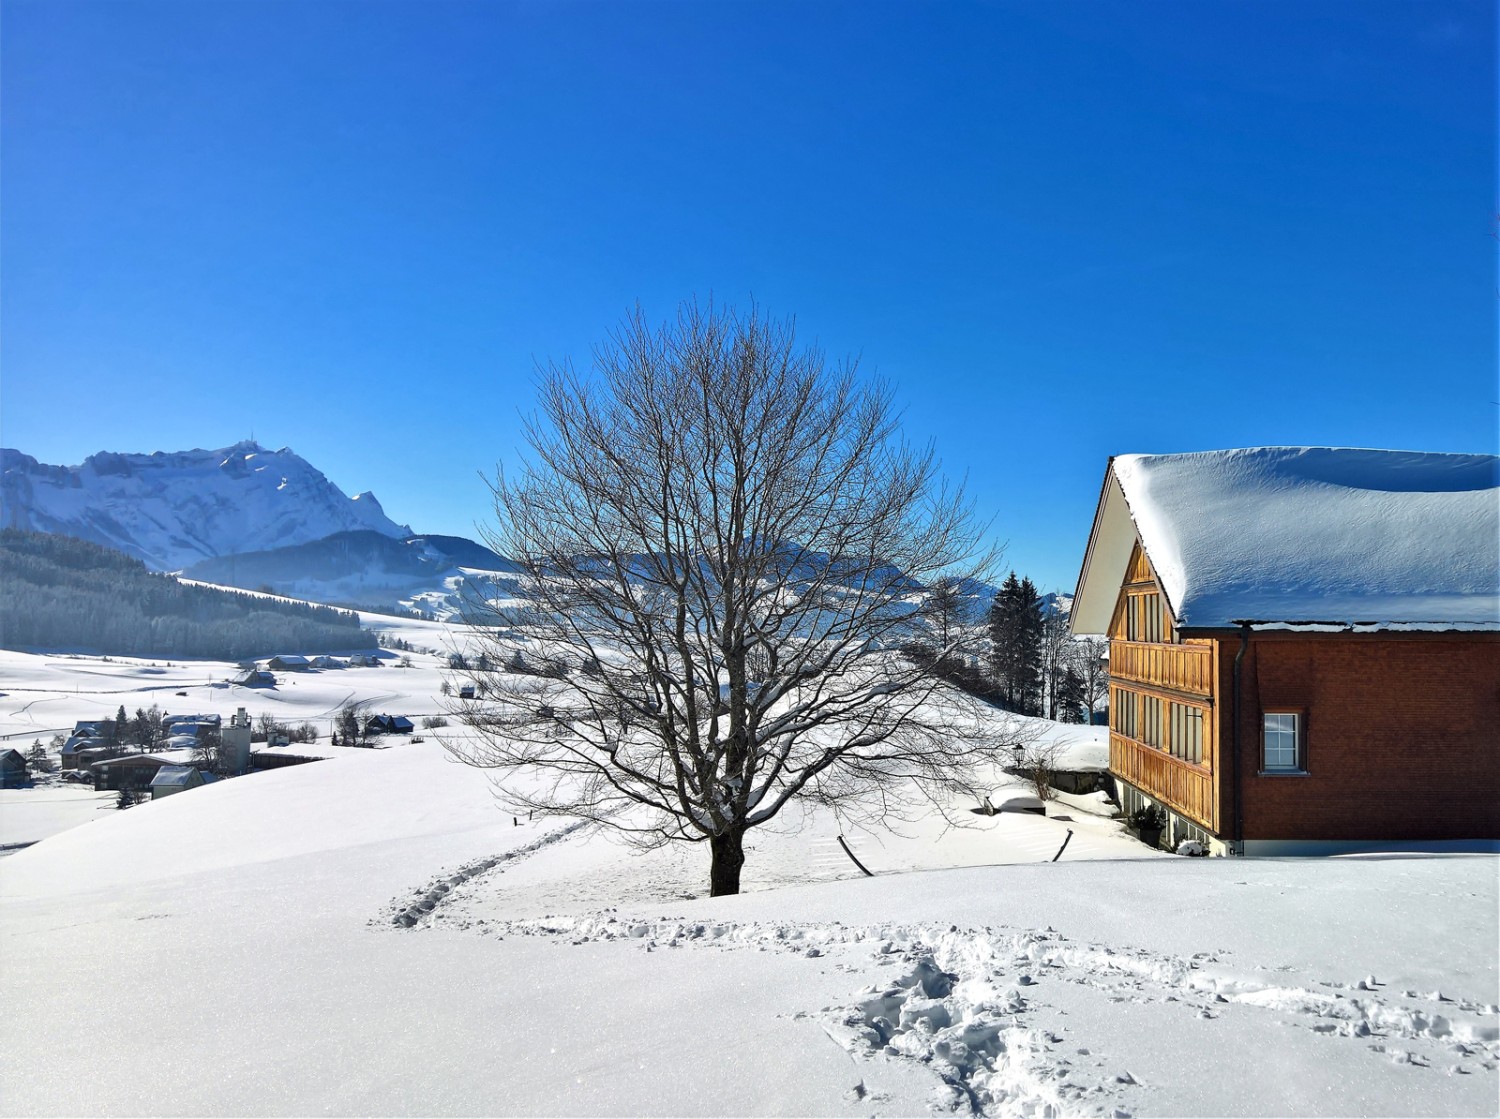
(174, 508)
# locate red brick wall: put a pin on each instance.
(1401, 736)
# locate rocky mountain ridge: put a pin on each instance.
(175, 509)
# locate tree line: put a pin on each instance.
(61, 592)
(1027, 661)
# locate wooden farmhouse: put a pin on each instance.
(13, 769)
(1304, 646)
(131, 771)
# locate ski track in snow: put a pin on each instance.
(407, 913)
(962, 1000)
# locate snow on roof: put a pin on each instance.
(1303, 535)
(173, 775)
(130, 759)
(206, 720)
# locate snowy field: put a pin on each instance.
(370, 935)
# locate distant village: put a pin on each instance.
(156, 754)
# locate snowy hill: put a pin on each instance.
(374, 915)
(364, 568)
(174, 509)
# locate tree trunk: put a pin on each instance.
(728, 857)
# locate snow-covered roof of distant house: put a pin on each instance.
(1302, 536)
(130, 760)
(169, 775)
(203, 720)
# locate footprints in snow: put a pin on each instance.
(960, 1002)
(408, 914)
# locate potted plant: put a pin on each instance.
(1147, 822)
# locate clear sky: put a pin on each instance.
(1063, 230)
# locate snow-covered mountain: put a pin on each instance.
(439, 575)
(173, 509)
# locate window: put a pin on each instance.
(1151, 721)
(1187, 732)
(1281, 742)
(1146, 618)
(1122, 712)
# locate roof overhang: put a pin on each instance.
(1104, 564)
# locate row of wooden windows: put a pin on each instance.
(1139, 716)
(1146, 618)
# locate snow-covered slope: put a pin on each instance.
(542, 970)
(436, 574)
(174, 509)
(374, 931)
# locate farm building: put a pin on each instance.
(13, 769)
(1304, 645)
(388, 724)
(171, 779)
(132, 771)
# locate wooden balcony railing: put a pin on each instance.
(1189, 789)
(1182, 668)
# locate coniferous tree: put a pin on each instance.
(1016, 626)
(1070, 697)
(65, 592)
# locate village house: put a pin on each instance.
(13, 769)
(132, 771)
(1304, 646)
(87, 734)
(171, 779)
(388, 724)
(193, 725)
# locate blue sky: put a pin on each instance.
(1063, 231)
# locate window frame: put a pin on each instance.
(1299, 742)
(1125, 712)
(1187, 721)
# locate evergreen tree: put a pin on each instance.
(65, 592)
(1070, 696)
(1016, 626)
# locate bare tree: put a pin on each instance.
(350, 723)
(1056, 639)
(721, 537)
(209, 753)
(1037, 763)
(1088, 655)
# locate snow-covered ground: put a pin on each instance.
(45, 694)
(371, 935)
(27, 815)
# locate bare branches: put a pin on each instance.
(724, 546)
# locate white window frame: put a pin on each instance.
(1282, 732)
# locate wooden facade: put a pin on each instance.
(1163, 719)
(1399, 732)
(1301, 692)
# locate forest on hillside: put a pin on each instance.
(57, 592)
